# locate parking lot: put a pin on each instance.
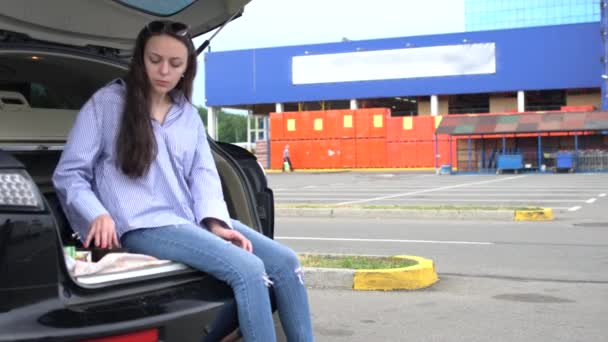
(566, 194)
(531, 281)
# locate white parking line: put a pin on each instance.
(434, 199)
(382, 240)
(574, 208)
(430, 190)
(591, 200)
(444, 194)
(602, 195)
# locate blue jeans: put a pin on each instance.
(249, 274)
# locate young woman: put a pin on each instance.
(137, 171)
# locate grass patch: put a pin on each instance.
(354, 262)
(403, 207)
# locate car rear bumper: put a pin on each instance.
(181, 313)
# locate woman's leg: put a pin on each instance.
(285, 271)
(203, 250)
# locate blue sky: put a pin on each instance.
(269, 23)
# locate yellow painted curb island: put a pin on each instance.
(407, 278)
(545, 214)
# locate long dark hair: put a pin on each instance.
(136, 146)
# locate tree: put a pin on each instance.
(231, 128)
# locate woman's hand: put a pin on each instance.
(229, 234)
(102, 232)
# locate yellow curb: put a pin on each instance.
(544, 214)
(406, 278)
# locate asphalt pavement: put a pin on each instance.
(499, 281)
(566, 194)
(460, 309)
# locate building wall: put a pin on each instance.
(502, 104)
(584, 99)
(555, 57)
(424, 106)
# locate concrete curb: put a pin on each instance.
(397, 213)
(414, 277)
(544, 214)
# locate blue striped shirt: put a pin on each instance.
(181, 186)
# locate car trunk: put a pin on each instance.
(39, 100)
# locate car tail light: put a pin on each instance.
(140, 336)
(18, 190)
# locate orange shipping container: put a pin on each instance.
(291, 124)
(304, 128)
(332, 124)
(425, 154)
(409, 154)
(394, 154)
(299, 152)
(276, 126)
(371, 122)
(316, 158)
(340, 124)
(402, 154)
(327, 153)
(317, 125)
(378, 152)
(371, 152)
(276, 154)
(334, 153)
(362, 150)
(401, 128)
(348, 153)
(425, 128)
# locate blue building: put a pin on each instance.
(550, 49)
(515, 56)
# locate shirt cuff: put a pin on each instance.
(212, 208)
(89, 208)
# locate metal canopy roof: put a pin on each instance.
(475, 124)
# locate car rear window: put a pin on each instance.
(158, 7)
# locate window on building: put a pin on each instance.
(469, 103)
(536, 100)
(315, 105)
(399, 105)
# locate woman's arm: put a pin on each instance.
(204, 182)
(74, 173)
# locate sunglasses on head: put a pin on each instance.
(165, 26)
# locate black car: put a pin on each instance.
(53, 56)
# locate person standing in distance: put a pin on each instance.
(287, 166)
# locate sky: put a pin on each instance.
(272, 23)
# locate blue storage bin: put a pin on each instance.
(510, 162)
(564, 160)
